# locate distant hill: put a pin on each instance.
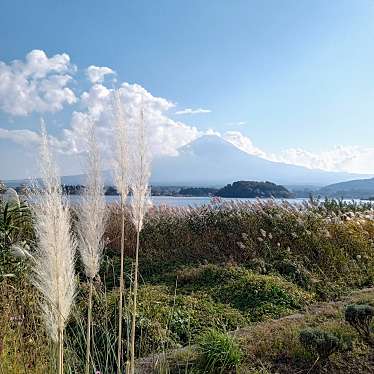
(357, 189)
(252, 189)
(211, 161)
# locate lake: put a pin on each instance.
(180, 201)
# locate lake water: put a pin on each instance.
(198, 201)
(186, 201)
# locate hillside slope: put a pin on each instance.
(359, 188)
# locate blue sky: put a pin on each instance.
(296, 77)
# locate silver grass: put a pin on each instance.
(121, 161)
(53, 273)
(140, 174)
(122, 185)
(91, 225)
(91, 212)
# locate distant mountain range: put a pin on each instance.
(360, 189)
(211, 161)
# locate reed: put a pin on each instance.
(140, 173)
(91, 226)
(53, 265)
(122, 185)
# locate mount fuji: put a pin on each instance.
(213, 161)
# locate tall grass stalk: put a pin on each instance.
(140, 173)
(91, 226)
(53, 271)
(122, 185)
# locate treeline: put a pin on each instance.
(239, 189)
(252, 189)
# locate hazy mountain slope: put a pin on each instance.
(210, 160)
(361, 188)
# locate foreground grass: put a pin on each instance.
(273, 346)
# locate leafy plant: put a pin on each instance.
(16, 233)
(360, 318)
(219, 351)
(320, 342)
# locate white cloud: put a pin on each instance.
(353, 159)
(350, 159)
(38, 84)
(166, 137)
(243, 142)
(193, 111)
(239, 123)
(23, 137)
(96, 74)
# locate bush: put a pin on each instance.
(294, 272)
(219, 351)
(262, 296)
(320, 342)
(360, 318)
(258, 296)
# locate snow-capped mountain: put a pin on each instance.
(213, 161)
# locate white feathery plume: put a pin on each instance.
(91, 212)
(122, 185)
(121, 161)
(91, 225)
(53, 273)
(140, 174)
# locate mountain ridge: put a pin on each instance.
(357, 188)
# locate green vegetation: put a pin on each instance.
(322, 343)
(198, 191)
(206, 272)
(219, 351)
(360, 317)
(251, 189)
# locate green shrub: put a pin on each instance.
(360, 318)
(257, 295)
(320, 342)
(262, 295)
(294, 272)
(219, 351)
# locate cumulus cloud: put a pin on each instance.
(96, 74)
(166, 137)
(37, 84)
(193, 111)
